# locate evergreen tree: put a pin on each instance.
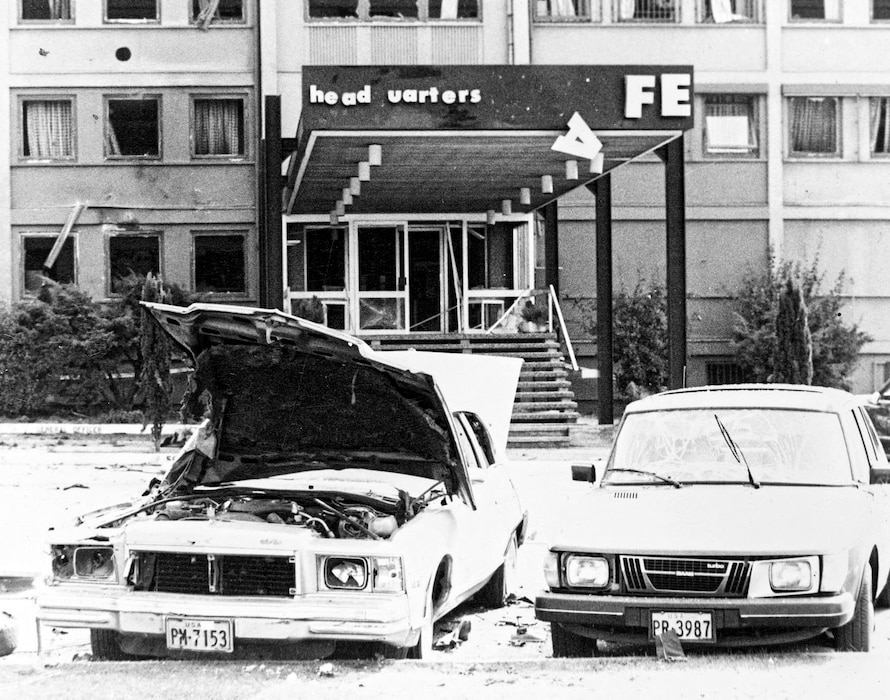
(793, 353)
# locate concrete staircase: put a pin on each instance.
(544, 408)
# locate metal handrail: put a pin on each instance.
(562, 326)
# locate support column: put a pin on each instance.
(551, 246)
(271, 261)
(602, 190)
(675, 218)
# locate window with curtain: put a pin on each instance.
(646, 11)
(131, 10)
(879, 112)
(728, 11)
(219, 127)
(47, 129)
(807, 10)
(880, 10)
(813, 126)
(562, 10)
(132, 129)
(731, 125)
(206, 11)
(35, 250)
(46, 10)
(219, 265)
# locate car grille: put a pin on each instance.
(203, 574)
(723, 577)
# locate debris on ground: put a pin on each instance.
(668, 647)
(326, 670)
(8, 637)
(525, 635)
(458, 632)
(75, 486)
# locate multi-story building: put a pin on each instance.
(788, 153)
(130, 145)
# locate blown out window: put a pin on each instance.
(219, 263)
(133, 128)
(36, 253)
(132, 255)
(367, 10)
(206, 11)
(731, 127)
(131, 10)
(46, 10)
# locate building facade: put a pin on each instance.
(789, 154)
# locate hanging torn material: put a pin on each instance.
(63, 236)
(207, 13)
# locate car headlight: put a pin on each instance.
(94, 562)
(350, 573)
(388, 575)
(586, 572)
(791, 575)
(63, 566)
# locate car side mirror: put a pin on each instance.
(879, 476)
(583, 472)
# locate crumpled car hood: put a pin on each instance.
(277, 389)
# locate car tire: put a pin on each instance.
(856, 634)
(883, 600)
(568, 645)
(502, 583)
(106, 646)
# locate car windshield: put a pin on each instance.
(688, 446)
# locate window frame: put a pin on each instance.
(814, 20)
(193, 277)
(593, 14)
(221, 22)
(23, 236)
(144, 96)
(805, 156)
(423, 16)
(677, 17)
(125, 233)
(107, 20)
(245, 126)
(44, 22)
(871, 14)
(702, 18)
(33, 97)
(758, 108)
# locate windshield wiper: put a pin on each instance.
(665, 479)
(736, 451)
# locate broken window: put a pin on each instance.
(132, 254)
(316, 260)
(218, 128)
(331, 9)
(397, 9)
(217, 11)
(46, 10)
(366, 10)
(35, 250)
(131, 10)
(563, 10)
(219, 263)
(47, 129)
(132, 129)
(731, 125)
(453, 9)
(490, 257)
(815, 10)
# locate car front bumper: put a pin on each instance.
(627, 617)
(311, 617)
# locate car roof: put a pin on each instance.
(782, 396)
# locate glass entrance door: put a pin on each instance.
(425, 270)
(381, 278)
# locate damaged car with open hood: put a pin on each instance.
(330, 494)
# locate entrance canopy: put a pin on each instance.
(447, 139)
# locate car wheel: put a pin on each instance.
(106, 646)
(502, 583)
(570, 645)
(856, 634)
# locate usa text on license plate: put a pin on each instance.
(199, 634)
(687, 625)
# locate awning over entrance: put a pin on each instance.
(468, 138)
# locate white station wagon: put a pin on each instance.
(331, 494)
(735, 515)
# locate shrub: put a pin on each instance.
(534, 313)
(793, 355)
(835, 343)
(639, 339)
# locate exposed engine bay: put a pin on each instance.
(326, 515)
